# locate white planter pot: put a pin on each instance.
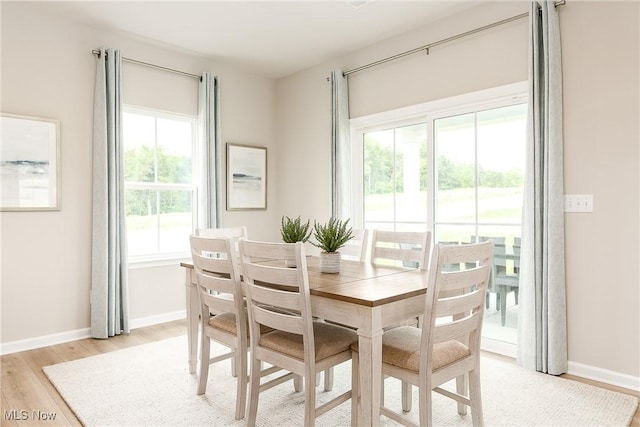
(330, 262)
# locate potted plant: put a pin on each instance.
(330, 237)
(294, 230)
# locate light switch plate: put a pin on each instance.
(578, 202)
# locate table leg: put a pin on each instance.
(370, 366)
(192, 320)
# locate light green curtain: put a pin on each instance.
(208, 116)
(340, 147)
(109, 269)
(542, 323)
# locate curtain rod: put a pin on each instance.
(440, 42)
(158, 67)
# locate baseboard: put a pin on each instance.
(44, 341)
(499, 347)
(604, 376)
(78, 334)
(160, 318)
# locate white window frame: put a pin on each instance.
(501, 96)
(161, 259)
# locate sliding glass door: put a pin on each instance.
(478, 196)
(459, 172)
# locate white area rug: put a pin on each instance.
(149, 385)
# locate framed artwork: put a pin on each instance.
(246, 177)
(29, 163)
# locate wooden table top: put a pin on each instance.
(362, 283)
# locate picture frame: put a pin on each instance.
(246, 177)
(29, 163)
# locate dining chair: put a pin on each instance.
(220, 292)
(356, 248)
(278, 297)
(447, 346)
(499, 251)
(410, 248)
(505, 281)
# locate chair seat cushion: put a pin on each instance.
(401, 348)
(329, 340)
(227, 323)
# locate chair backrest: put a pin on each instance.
(410, 247)
(516, 254)
(233, 233)
(356, 248)
(455, 299)
(218, 279)
(277, 296)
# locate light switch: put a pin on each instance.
(578, 202)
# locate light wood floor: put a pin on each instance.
(26, 389)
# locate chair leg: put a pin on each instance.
(355, 391)
(503, 305)
(487, 300)
(234, 368)
(254, 390)
(241, 382)
(475, 395)
(297, 383)
(328, 379)
(515, 293)
(425, 405)
(310, 401)
(462, 388)
(407, 398)
(205, 355)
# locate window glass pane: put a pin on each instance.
(454, 139)
(501, 144)
(175, 220)
(142, 221)
(411, 174)
(159, 156)
(175, 150)
(453, 234)
(378, 176)
(139, 147)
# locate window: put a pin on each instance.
(160, 159)
(454, 166)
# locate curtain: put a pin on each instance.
(208, 99)
(543, 315)
(109, 269)
(340, 147)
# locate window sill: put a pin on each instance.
(148, 262)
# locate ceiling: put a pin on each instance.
(271, 38)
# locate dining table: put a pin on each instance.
(362, 296)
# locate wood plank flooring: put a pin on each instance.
(29, 399)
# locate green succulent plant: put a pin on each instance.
(333, 235)
(294, 230)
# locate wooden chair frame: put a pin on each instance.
(278, 297)
(459, 297)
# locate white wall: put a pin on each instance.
(601, 109)
(48, 71)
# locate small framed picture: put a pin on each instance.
(246, 177)
(29, 163)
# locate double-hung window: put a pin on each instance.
(161, 182)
